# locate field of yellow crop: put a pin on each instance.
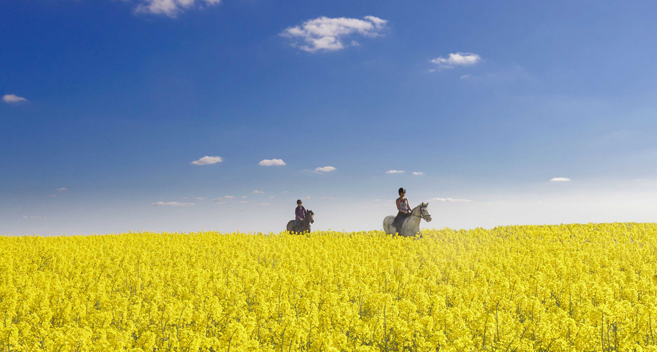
(524, 288)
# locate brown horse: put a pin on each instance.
(303, 225)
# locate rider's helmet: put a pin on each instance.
(298, 201)
(402, 190)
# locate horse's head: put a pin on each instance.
(310, 215)
(421, 211)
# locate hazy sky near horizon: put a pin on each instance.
(170, 115)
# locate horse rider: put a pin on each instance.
(299, 213)
(403, 208)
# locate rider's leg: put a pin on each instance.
(398, 219)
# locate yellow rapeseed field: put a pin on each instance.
(517, 288)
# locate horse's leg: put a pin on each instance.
(411, 227)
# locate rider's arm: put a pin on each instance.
(398, 206)
(408, 206)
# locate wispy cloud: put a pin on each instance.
(222, 199)
(263, 205)
(456, 59)
(560, 179)
(327, 34)
(32, 217)
(418, 173)
(171, 8)
(200, 198)
(394, 172)
(258, 192)
(449, 200)
(208, 160)
(63, 189)
(173, 204)
(325, 169)
(272, 162)
(13, 99)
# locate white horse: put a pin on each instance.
(411, 226)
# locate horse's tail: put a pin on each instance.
(387, 222)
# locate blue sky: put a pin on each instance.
(107, 104)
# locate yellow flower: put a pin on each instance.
(557, 288)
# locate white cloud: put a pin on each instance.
(63, 189)
(465, 76)
(306, 197)
(258, 192)
(394, 172)
(272, 162)
(31, 217)
(327, 34)
(325, 169)
(418, 173)
(173, 204)
(263, 205)
(223, 199)
(449, 200)
(208, 160)
(457, 59)
(243, 201)
(560, 179)
(200, 198)
(13, 99)
(171, 8)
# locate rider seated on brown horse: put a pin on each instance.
(302, 220)
(404, 210)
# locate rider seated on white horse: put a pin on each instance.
(404, 210)
(299, 213)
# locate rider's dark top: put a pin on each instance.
(300, 213)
